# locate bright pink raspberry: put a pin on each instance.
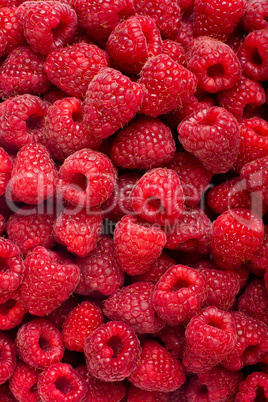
(137, 243)
(259, 261)
(167, 85)
(48, 281)
(133, 305)
(210, 337)
(235, 236)
(87, 178)
(11, 28)
(8, 358)
(179, 294)
(71, 68)
(212, 135)
(112, 351)
(13, 268)
(133, 42)
(255, 15)
(146, 143)
(254, 387)
(100, 271)
(174, 50)
(138, 395)
(23, 383)
(173, 338)
(6, 166)
(255, 174)
(12, 309)
(147, 375)
(254, 300)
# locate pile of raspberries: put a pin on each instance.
(134, 201)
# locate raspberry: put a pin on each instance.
(61, 382)
(148, 375)
(12, 310)
(138, 395)
(179, 294)
(11, 28)
(111, 101)
(112, 351)
(144, 144)
(137, 243)
(39, 344)
(259, 261)
(2, 225)
(87, 178)
(210, 337)
(22, 120)
(133, 305)
(8, 358)
(47, 24)
(22, 72)
(174, 50)
(254, 387)
(254, 300)
(58, 316)
(48, 281)
(6, 166)
(186, 5)
(100, 270)
(12, 266)
(158, 197)
(167, 85)
(236, 38)
(212, 135)
(132, 42)
(256, 176)
(185, 34)
(174, 339)
(23, 383)
(235, 236)
(72, 68)
(255, 15)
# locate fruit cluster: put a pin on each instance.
(133, 200)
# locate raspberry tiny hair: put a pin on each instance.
(8, 358)
(23, 382)
(6, 166)
(254, 386)
(12, 275)
(12, 310)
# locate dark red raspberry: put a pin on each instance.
(22, 120)
(210, 337)
(12, 266)
(87, 178)
(255, 15)
(112, 351)
(47, 24)
(259, 261)
(212, 135)
(254, 300)
(236, 38)
(23, 383)
(138, 395)
(174, 50)
(243, 275)
(133, 305)
(48, 281)
(71, 68)
(54, 94)
(186, 5)
(195, 391)
(173, 338)
(100, 270)
(39, 343)
(167, 85)
(2, 224)
(6, 394)
(256, 175)
(58, 316)
(179, 294)
(22, 72)
(8, 358)
(61, 381)
(6, 166)
(254, 387)
(137, 243)
(12, 310)
(185, 34)
(111, 101)
(147, 375)
(3, 43)
(11, 28)
(144, 144)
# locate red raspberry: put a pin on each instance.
(138, 244)
(167, 85)
(47, 24)
(39, 343)
(216, 18)
(61, 382)
(185, 34)
(11, 28)
(173, 338)
(174, 50)
(138, 395)
(79, 324)
(6, 394)
(210, 337)
(255, 15)
(22, 72)
(236, 38)
(12, 266)
(22, 120)
(132, 42)
(186, 5)
(179, 294)
(133, 305)
(212, 135)
(23, 383)
(259, 261)
(112, 351)
(195, 391)
(48, 281)
(235, 236)
(254, 387)
(100, 270)
(254, 300)
(2, 225)
(72, 68)
(8, 358)
(256, 175)
(243, 275)
(12, 310)
(147, 375)
(58, 316)
(87, 178)
(54, 94)
(6, 166)
(111, 101)
(158, 197)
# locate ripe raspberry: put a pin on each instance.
(111, 101)
(12, 310)
(185, 34)
(100, 270)
(174, 50)
(158, 197)
(144, 144)
(254, 300)
(173, 338)
(133, 305)
(138, 395)
(8, 358)
(58, 316)
(254, 387)
(210, 337)
(235, 236)
(137, 243)
(6, 166)
(255, 174)
(212, 135)
(47, 24)
(23, 383)
(61, 382)
(112, 351)
(22, 72)
(6, 394)
(12, 266)
(167, 85)
(72, 68)
(48, 281)
(22, 120)
(186, 5)
(11, 28)
(255, 15)
(259, 261)
(236, 38)
(86, 178)
(147, 374)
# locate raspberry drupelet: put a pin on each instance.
(255, 15)
(174, 50)
(11, 28)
